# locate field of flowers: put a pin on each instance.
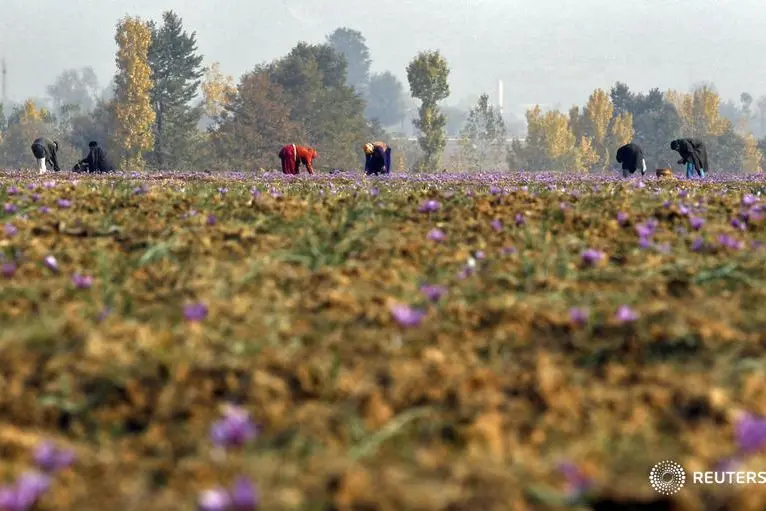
(442, 342)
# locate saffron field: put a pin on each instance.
(431, 342)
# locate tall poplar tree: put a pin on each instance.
(176, 71)
(133, 112)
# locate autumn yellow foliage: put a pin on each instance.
(217, 88)
(753, 156)
(133, 110)
(699, 112)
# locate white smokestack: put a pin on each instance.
(500, 96)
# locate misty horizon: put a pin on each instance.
(643, 44)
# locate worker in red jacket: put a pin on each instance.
(292, 156)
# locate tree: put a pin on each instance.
(753, 156)
(654, 130)
(176, 72)
(74, 87)
(330, 113)
(353, 46)
(726, 151)
(623, 100)
(3, 122)
(97, 125)
(428, 75)
(133, 110)
(483, 136)
(598, 114)
(761, 104)
(254, 124)
(620, 131)
(29, 122)
(385, 99)
(699, 111)
(217, 89)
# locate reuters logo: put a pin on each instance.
(667, 477)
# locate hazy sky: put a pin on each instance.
(552, 52)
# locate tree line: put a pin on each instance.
(165, 110)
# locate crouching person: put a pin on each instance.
(44, 150)
(96, 161)
(632, 158)
(292, 156)
(693, 153)
(377, 158)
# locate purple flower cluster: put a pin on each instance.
(750, 432)
(429, 206)
(82, 281)
(433, 292)
(29, 488)
(592, 257)
(407, 316)
(195, 312)
(243, 496)
(235, 429)
(436, 235)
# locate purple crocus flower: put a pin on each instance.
(497, 225)
(406, 316)
(10, 207)
(625, 314)
(374, 192)
(737, 224)
(578, 316)
(480, 255)
(622, 218)
(696, 222)
(256, 193)
(210, 220)
(592, 257)
(750, 432)
(429, 206)
(49, 184)
(436, 235)
(51, 459)
(684, 210)
(13, 190)
(234, 430)
(244, 495)
(7, 270)
(433, 292)
(45, 209)
(494, 190)
(749, 200)
(51, 263)
(214, 500)
(10, 230)
(8, 499)
(645, 230)
(508, 250)
(682, 193)
(578, 483)
(727, 241)
(82, 281)
(29, 488)
(698, 245)
(64, 203)
(35, 197)
(520, 219)
(195, 312)
(223, 190)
